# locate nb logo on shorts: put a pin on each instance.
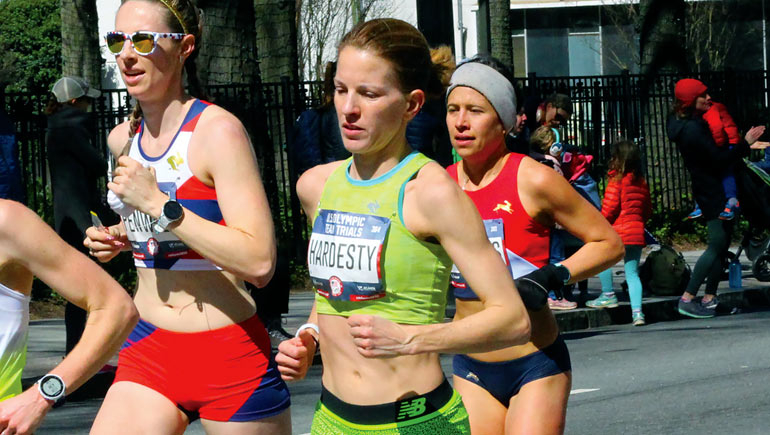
(411, 409)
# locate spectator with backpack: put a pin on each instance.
(627, 207)
(706, 162)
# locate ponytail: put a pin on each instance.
(443, 64)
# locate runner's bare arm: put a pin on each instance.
(295, 356)
(436, 208)
(221, 149)
(111, 314)
(549, 198)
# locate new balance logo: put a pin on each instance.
(505, 206)
(411, 409)
(373, 207)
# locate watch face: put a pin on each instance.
(172, 210)
(52, 386)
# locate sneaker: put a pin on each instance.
(561, 304)
(727, 214)
(695, 310)
(637, 318)
(710, 305)
(603, 301)
(695, 213)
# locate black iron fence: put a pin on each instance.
(606, 107)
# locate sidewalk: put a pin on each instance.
(46, 337)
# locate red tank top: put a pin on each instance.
(525, 241)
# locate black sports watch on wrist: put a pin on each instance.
(563, 273)
(172, 212)
(52, 388)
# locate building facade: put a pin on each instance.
(587, 37)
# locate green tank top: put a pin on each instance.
(14, 318)
(363, 260)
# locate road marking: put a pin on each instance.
(583, 390)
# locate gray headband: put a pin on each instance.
(486, 80)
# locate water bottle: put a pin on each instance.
(734, 274)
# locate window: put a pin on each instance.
(585, 54)
(519, 55)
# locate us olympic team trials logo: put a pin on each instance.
(336, 286)
(153, 247)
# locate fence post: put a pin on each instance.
(628, 128)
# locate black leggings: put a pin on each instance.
(709, 265)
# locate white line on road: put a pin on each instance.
(583, 390)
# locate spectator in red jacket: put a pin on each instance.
(725, 133)
(627, 206)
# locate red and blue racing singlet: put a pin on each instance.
(164, 250)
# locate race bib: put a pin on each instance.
(496, 236)
(345, 255)
(148, 245)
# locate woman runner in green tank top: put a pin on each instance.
(387, 225)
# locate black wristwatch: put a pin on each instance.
(563, 273)
(52, 388)
(172, 212)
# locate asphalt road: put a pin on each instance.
(683, 377)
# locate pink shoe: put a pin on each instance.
(561, 304)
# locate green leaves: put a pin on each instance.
(30, 40)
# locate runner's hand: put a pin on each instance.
(24, 413)
(376, 337)
(136, 185)
(295, 356)
(534, 286)
(105, 244)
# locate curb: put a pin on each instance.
(658, 309)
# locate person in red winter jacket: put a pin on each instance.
(627, 207)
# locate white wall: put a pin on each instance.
(110, 74)
(468, 9)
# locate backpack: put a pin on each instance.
(665, 272)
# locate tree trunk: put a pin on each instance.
(80, 43)
(228, 51)
(500, 30)
(276, 27)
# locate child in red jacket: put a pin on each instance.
(725, 133)
(627, 206)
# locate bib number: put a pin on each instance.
(496, 236)
(345, 255)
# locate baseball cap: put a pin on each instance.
(68, 88)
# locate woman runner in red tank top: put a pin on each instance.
(520, 389)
